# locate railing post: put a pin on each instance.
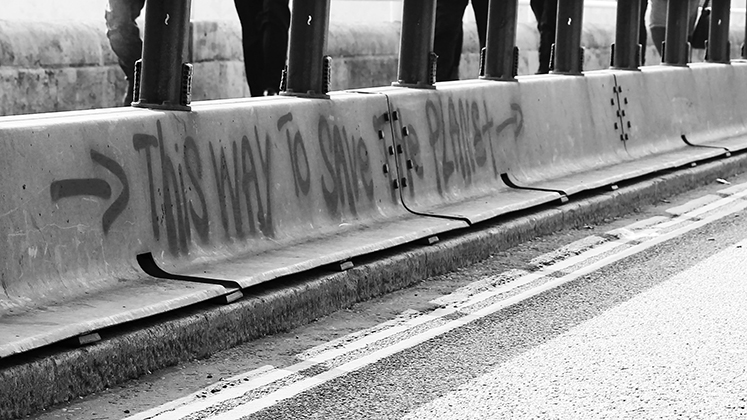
(568, 55)
(500, 57)
(718, 45)
(626, 51)
(676, 47)
(308, 72)
(417, 61)
(163, 77)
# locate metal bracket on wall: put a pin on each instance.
(620, 103)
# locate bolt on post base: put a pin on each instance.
(185, 97)
(429, 84)
(326, 80)
(498, 77)
(622, 66)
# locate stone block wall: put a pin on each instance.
(56, 66)
(59, 66)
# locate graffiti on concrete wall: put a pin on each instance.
(346, 175)
(244, 193)
(179, 188)
(462, 138)
(240, 176)
(178, 213)
(96, 187)
(200, 191)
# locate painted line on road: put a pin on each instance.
(633, 238)
(254, 406)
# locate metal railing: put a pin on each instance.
(165, 77)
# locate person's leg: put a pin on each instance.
(448, 38)
(545, 11)
(274, 23)
(480, 7)
(642, 35)
(457, 56)
(124, 37)
(658, 23)
(248, 11)
(538, 6)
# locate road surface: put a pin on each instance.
(645, 317)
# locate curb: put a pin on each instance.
(32, 382)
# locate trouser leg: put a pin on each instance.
(480, 7)
(124, 36)
(642, 35)
(448, 38)
(658, 34)
(248, 10)
(274, 25)
(545, 11)
(264, 29)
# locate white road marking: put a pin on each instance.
(693, 204)
(195, 402)
(649, 232)
(673, 350)
(301, 386)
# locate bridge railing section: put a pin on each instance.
(308, 69)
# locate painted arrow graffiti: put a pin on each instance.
(95, 187)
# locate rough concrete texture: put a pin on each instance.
(54, 44)
(60, 66)
(226, 80)
(216, 41)
(33, 90)
(35, 381)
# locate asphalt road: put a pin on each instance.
(660, 334)
(640, 318)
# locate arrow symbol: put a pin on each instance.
(76, 187)
(97, 188)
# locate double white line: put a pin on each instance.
(251, 392)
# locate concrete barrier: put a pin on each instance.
(71, 221)
(605, 127)
(570, 133)
(313, 176)
(669, 110)
(451, 143)
(722, 120)
(156, 210)
(231, 194)
(461, 145)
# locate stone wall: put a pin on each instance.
(58, 66)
